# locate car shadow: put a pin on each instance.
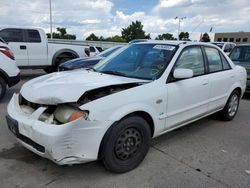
(246, 96)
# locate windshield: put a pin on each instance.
(143, 61)
(240, 54)
(109, 51)
(220, 45)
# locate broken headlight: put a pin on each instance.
(67, 113)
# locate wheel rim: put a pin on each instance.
(128, 144)
(233, 105)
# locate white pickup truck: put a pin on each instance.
(33, 50)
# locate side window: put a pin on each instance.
(33, 36)
(225, 63)
(192, 58)
(12, 35)
(214, 60)
(92, 49)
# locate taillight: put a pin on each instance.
(6, 51)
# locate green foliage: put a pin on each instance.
(134, 31)
(165, 36)
(61, 34)
(92, 37)
(184, 35)
(205, 38)
(115, 38)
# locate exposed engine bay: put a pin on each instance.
(104, 91)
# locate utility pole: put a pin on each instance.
(50, 13)
(179, 26)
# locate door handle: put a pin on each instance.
(23, 47)
(205, 83)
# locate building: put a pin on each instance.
(236, 37)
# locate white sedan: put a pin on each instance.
(111, 112)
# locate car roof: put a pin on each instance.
(243, 44)
(176, 42)
(19, 27)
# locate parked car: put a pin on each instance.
(112, 111)
(240, 55)
(94, 51)
(9, 73)
(87, 62)
(225, 46)
(32, 49)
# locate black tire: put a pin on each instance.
(60, 61)
(231, 107)
(54, 68)
(126, 144)
(49, 69)
(3, 88)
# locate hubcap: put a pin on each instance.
(233, 105)
(128, 144)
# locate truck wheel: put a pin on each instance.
(126, 144)
(3, 87)
(60, 61)
(49, 69)
(231, 107)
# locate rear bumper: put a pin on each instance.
(13, 80)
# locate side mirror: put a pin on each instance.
(183, 73)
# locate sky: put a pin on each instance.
(108, 17)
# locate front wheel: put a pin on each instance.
(3, 88)
(126, 144)
(231, 107)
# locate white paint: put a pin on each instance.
(181, 102)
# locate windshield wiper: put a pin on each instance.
(114, 73)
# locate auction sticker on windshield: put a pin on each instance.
(164, 47)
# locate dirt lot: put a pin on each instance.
(207, 153)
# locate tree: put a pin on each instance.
(165, 36)
(115, 38)
(184, 35)
(134, 31)
(93, 37)
(61, 34)
(205, 38)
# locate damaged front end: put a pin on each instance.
(104, 91)
(53, 114)
(62, 133)
(68, 112)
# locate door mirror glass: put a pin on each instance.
(181, 73)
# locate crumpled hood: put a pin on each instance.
(64, 87)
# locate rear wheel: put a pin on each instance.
(3, 88)
(59, 60)
(126, 144)
(49, 69)
(231, 107)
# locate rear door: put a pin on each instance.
(16, 40)
(188, 98)
(37, 49)
(221, 78)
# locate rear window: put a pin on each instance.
(220, 45)
(240, 54)
(12, 35)
(214, 60)
(33, 36)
